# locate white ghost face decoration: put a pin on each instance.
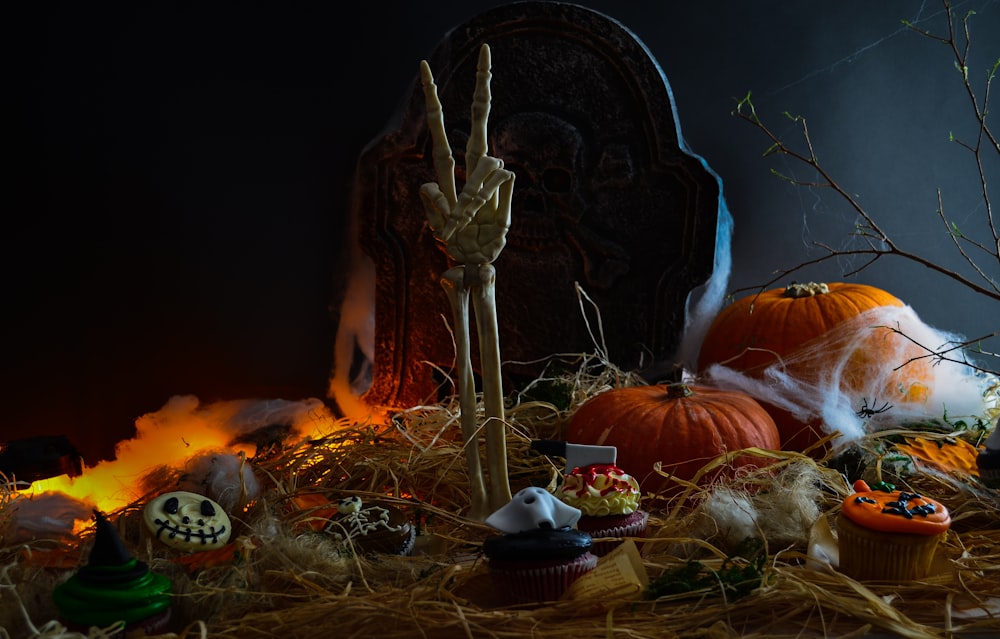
(533, 508)
(187, 521)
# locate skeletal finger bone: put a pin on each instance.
(500, 187)
(480, 189)
(436, 207)
(475, 148)
(444, 161)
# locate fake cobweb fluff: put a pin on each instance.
(782, 514)
(881, 369)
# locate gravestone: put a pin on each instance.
(606, 197)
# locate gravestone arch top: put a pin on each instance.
(605, 196)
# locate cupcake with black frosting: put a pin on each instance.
(540, 554)
(114, 587)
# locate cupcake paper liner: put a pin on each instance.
(535, 582)
(631, 526)
(155, 625)
(870, 555)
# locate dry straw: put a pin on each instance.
(288, 581)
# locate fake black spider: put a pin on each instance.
(867, 411)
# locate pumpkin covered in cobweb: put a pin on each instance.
(817, 350)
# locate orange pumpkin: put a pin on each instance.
(682, 427)
(759, 330)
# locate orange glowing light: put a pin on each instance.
(178, 432)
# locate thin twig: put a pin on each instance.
(875, 242)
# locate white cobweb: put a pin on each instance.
(884, 368)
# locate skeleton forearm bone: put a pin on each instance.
(444, 162)
(453, 282)
(484, 302)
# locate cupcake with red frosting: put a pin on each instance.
(608, 499)
(889, 535)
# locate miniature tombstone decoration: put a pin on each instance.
(606, 196)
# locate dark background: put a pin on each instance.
(178, 224)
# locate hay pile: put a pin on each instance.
(282, 580)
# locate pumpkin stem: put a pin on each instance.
(678, 390)
(807, 289)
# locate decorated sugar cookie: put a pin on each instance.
(372, 528)
(187, 521)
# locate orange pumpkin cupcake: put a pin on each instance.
(889, 535)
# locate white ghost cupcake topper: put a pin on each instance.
(533, 508)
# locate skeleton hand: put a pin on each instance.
(472, 225)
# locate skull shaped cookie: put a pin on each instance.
(187, 521)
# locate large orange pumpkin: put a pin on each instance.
(759, 330)
(682, 427)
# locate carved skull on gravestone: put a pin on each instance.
(547, 154)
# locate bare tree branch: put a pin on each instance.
(875, 242)
(942, 353)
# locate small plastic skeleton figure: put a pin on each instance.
(472, 227)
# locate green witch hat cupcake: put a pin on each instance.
(114, 587)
